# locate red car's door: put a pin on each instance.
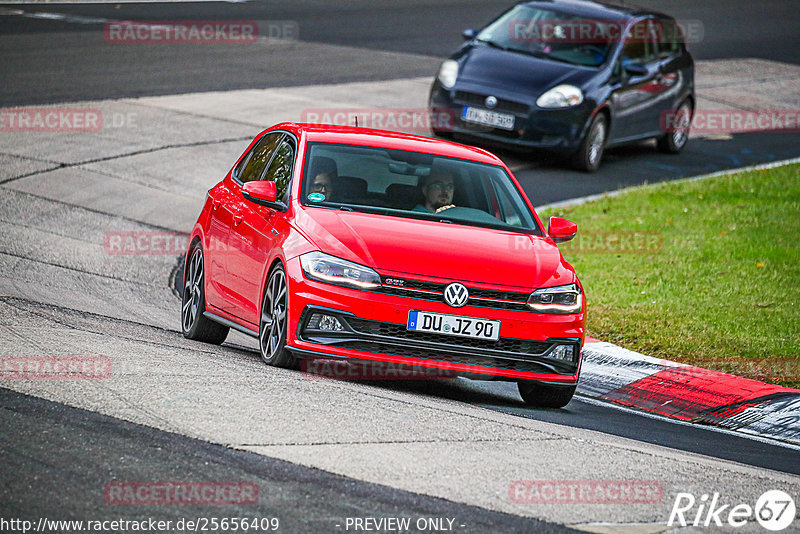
(253, 236)
(226, 210)
(220, 221)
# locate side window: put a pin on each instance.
(669, 38)
(280, 168)
(255, 162)
(639, 44)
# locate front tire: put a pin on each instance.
(674, 141)
(274, 318)
(590, 153)
(545, 395)
(193, 323)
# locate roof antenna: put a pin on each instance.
(356, 121)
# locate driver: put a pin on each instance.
(437, 191)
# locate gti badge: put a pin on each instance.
(490, 102)
(456, 295)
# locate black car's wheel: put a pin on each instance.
(272, 330)
(587, 157)
(545, 395)
(193, 323)
(674, 140)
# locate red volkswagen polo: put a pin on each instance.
(334, 242)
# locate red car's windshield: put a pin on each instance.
(412, 184)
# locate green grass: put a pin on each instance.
(714, 279)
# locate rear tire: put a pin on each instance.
(590, 153)
(274, 319)
(674, 141)
(193, 323)
(545, 395)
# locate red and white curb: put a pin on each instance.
(683, 392)
(687, 393)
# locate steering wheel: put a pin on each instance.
(597, 51)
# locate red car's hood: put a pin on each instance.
(433, 249)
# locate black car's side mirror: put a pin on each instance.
(469, 34)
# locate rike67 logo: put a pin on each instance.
(774, 510)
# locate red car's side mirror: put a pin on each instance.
(561, 230)
(263, 193)
(258, 190)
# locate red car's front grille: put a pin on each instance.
(484, 298)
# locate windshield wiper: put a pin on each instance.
(532, 53)
(493, 44)
(405, 214)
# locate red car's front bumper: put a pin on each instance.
(375, 329)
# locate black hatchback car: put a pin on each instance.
(569, 76)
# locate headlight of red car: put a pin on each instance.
(332, 270)
(559, 299)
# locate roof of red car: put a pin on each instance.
(349, 135)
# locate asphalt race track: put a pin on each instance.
(70, 448)
(50, 59)
(57, 53)
(319, 451)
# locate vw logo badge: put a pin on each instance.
(456, 295)
(490, 102)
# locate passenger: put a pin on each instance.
(437, 191)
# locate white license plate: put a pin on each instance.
(488, 118)
(453, 325)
